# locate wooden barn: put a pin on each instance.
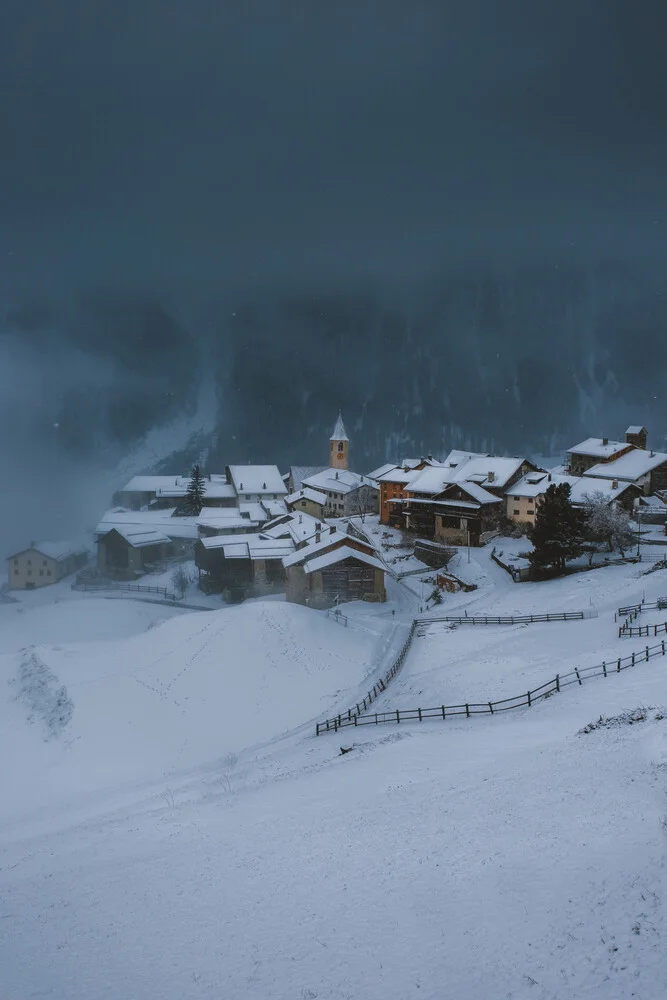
(332, 569)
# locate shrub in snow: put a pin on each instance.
(47, 701)
(629, 718)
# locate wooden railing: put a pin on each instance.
(135, 588)
(359, 716)
(632, 613)
(552, 616)
(361, 706)
(527, 700)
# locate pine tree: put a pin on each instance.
(194, 496)
(558, 532)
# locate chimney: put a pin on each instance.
(332, 529)
(491, 477)
(605, 441)
(263, 486)
(318, 526)
(300, 518)
(614, 484)
(336, 475)
(549, 478)
(430, 458)
(241, 487)
(317, 537)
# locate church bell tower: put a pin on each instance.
(339, 445)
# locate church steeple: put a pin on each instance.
(339, 444)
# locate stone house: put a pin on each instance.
(333, 568)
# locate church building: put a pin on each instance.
(339, 446)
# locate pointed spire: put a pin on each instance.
(339, 432)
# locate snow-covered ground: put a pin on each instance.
(170, 826)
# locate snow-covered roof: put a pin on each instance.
(60, 551)
(328, 536)
(158, 520)
(234, 519)
(657, 503)
(339, 432)
(457, 458)
(478, 493)
(141, 538)
(307, 494)
(299, 527)
(150, 484)
(635, 429)
(258, 479)
(629, 467)
(579, 487)
(382, 470)
(250, 546)
(398, 474)
(430, 480)
(338, 555)
(598, 448)
(488, 470)
(273, 508)
(301, 472)
(339, 481)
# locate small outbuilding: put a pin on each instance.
(334, 568)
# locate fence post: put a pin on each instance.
(317, 729)
(663, 646)
(467, 711)
(604, 668)
(376, 718)
(633, 659)
(355, 720)
(618, 666)
(443, 707)
(557, 682)
(419, 712)
(647, 656)
(398, 717)
(576, 670)
(528, 696)
(491, 707)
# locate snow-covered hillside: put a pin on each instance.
(178, 831)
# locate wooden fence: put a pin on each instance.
(632, 613)
(552, 616)
(134, 588)
(377, 689)
(527, 700)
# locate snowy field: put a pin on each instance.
(178, 831)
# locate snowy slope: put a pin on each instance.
(505, 857)
(182, 694)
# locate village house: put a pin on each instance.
(459, 514)
(256, 482)
(42, 564)
(130, 543)
(524, 497)
(395, 480)
(646, 470)
(242, 566)
(595, 451)
(347, 493)
(308, 501)
(332, 568)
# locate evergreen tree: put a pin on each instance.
(194, 496)
(558, 532)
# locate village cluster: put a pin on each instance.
(254, 531)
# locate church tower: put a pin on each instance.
(339, 445)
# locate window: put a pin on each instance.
(16, 571)
(530, 511)
(43, 562)
(29, 562)
(303, 503)
(517, 511)
(41, 572)
(340, 446)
